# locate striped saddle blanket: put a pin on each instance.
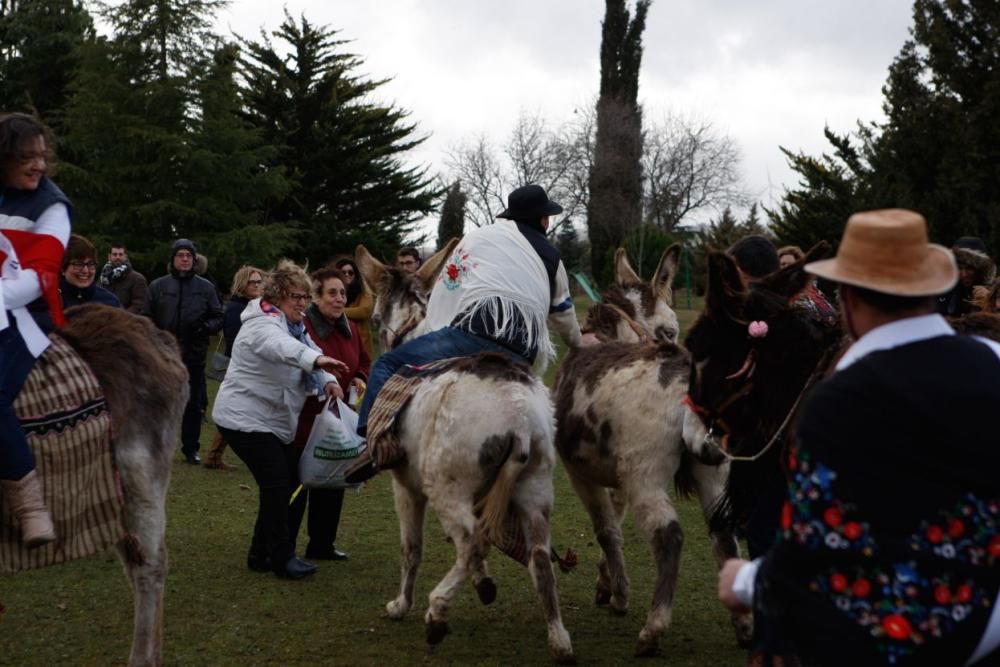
(64, 414)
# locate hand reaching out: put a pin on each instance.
(331, 365)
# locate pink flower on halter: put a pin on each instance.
(757, 329)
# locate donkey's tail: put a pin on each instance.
(494, 506)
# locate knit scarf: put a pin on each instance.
(112, 274)
(311, 381)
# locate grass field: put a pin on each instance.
(219, 613)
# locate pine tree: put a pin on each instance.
(615, 204)
(39, 54)
(343, 152)
(128, 128)
(938, 152)
(452, 223)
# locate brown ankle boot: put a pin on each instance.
(214, 457)
(25, 498)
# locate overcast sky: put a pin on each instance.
(767, 72)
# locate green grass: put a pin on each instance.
(219, 613)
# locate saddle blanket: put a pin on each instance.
(64, 414)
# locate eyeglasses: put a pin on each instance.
(298, 297)
(254, 282)
(79, 266)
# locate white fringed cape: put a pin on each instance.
(495, 269)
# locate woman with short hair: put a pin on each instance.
(79, 270)
(274, 366)
(337, 336)
(34, 230)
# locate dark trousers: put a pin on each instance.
(195, 408)
(16, 361)
(268, 460)
(325, 506)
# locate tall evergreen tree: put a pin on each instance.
(39, 54)
(938, 151)
(127, 127)
(343, 151)
(452, 223)
(615, 204)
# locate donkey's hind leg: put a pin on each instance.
(410, 508)
(144, 467)
(657, 518)
(710, 482)
(612, 581)
(533, 499)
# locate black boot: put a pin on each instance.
(295, 568)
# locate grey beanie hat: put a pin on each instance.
(182, 244)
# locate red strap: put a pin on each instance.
(43, 253)
(694, 407)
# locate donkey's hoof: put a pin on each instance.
(396, 609)
(564, 658)
(602, 598)
(436, 632)
(487, 590)
(647, 648)
(617, 606)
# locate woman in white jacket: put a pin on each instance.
(274, 366)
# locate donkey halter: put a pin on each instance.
(636, 328)
(747, 370)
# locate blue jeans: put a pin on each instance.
(16, 361)
(434, 346)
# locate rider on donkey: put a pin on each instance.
(34, 230)
(494, 294)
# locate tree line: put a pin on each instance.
(254, 148)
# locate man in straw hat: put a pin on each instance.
(890, 549)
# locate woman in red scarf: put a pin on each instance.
(338, 337)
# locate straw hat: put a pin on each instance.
(887, 251)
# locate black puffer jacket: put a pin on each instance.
(187, 306)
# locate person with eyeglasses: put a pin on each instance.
(360, 303)
(78, 285)
(188, 306)
(273, 368)
(34, 230)
(247, 284)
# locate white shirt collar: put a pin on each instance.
(895, 334)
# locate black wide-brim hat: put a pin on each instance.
(529, 201)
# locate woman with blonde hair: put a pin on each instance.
(247, 284)
(273, 368)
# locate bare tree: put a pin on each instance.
(533, 153)
(474, 164)
(688, 166)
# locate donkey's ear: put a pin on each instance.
(429, 270)
(663, 279)
(372, 270)
(624, 274)
(725, 291)
(792, 279)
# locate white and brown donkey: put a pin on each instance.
(623, 433)
(465, 450)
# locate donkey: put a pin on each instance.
(619, 453)
(146, 386)
(745, 387)
(464, 446)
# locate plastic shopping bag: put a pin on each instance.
(332, 447)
